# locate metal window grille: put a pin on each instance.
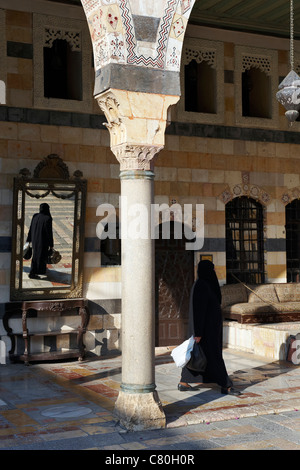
(244, 241)
(292, 214)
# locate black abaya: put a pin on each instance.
(41, 236)
(206, 321)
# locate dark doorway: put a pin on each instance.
(292, 217)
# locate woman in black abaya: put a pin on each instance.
(41, 236)
(207, 326)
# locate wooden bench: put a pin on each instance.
(264, 303)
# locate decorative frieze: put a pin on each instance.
(255, 61)
(245, 189)
(199, 55)
(72, 37)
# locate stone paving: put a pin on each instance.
(69, 405)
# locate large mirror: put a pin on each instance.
(61, 200)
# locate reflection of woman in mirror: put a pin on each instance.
(40, 235)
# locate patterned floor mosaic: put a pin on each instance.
(70, 406)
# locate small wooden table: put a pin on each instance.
(52, 306)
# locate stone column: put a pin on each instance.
(137, 123)
(138, 405)
(137, 48)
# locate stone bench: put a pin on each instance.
(264, 303)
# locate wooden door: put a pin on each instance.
(174, 276)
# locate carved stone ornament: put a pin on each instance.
(249, 190)
(72, 37)
(135, 157)
(111, 109)
(289, 195)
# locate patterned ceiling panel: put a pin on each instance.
(253, 15)
(67, 2)
(243, 15)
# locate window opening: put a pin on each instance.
(200, 88)
(292, 214)
(256, 94)
(62, 71)
(244, 241)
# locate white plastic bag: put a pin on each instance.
(182, 353)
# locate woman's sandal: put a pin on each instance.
(184, 388)
(230, 391)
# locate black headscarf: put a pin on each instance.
(206, 272)
(45, 209)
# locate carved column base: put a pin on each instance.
(139, 411)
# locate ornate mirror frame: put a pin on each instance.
(51, 177)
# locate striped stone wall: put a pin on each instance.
(202, 163)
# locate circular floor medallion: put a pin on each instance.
(66, 411)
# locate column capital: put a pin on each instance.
(136, 157)
(136, 123)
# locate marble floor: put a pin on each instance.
(70, 404)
